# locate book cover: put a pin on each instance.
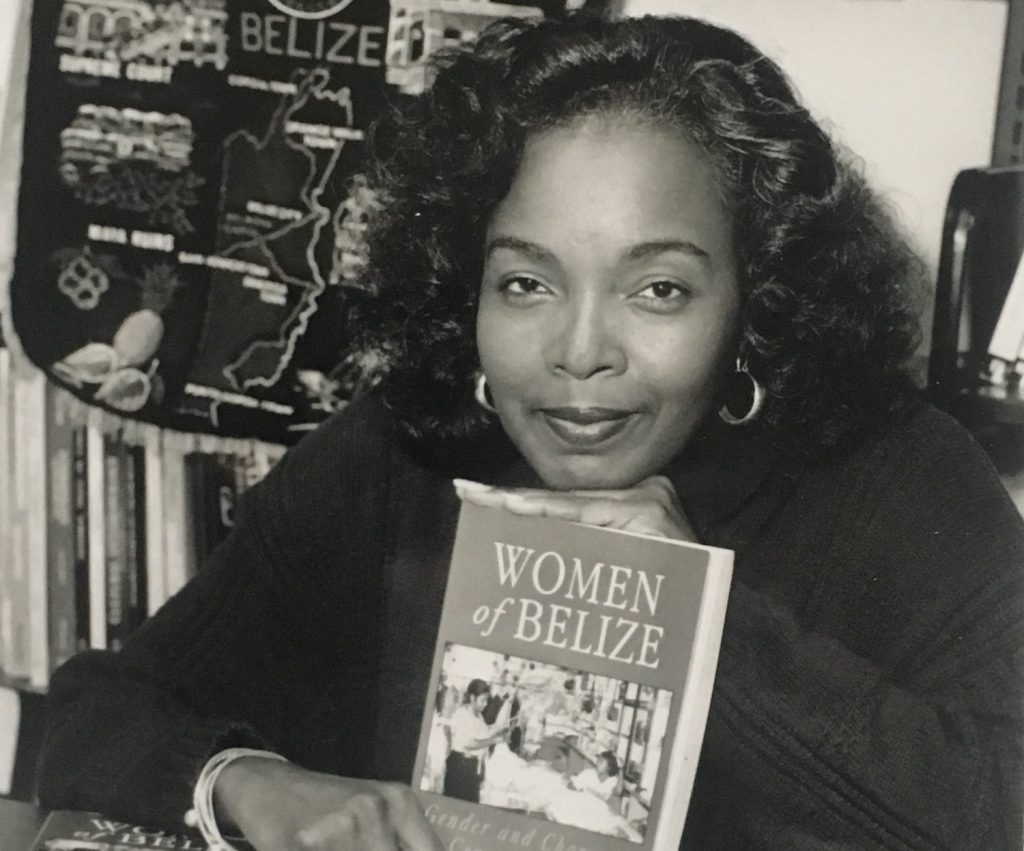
(570, 686)
(69, 830)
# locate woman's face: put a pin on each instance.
(609, 301)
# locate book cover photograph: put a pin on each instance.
(570, 686)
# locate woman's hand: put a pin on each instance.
(278, 806)
(650, 508)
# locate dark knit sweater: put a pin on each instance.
(869, 690)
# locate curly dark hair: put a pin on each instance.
(828, 285)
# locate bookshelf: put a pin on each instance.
(102, 519)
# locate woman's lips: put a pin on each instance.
(586, 428)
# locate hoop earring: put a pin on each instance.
(756, 403)
(481, 393)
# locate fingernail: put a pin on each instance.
(468, 485)
(516, 500)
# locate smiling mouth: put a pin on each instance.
(586, 428)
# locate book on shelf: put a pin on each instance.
(96, 529)
(61, 439)
(594, 653)
(175, 532)
(133, 570)
(71, 830)
(114, 543)
(211, 487)
(80, 532)
(26, 588)
(153, 518)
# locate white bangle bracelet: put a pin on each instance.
(202, 815)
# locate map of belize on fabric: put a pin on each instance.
(191, 207)
(283, 240)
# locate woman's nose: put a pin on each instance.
(586, 342)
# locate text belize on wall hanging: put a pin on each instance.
(190, 211)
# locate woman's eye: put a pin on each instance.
(522, 287)
(663, 294)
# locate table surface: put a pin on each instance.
(19, 824)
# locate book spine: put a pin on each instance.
(97, 532)
(221, 482)
(31, 413)
(241, 467)
(231, 485)
(18, 658)
(156, 579)
(195, 528)
(140, 601)
(60, 533)
(133, 494)
(173, 487)
(115, 540)
(80, 532)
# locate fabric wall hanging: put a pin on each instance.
(189, 212)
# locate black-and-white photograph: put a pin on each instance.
(545, 740)
(291, 288)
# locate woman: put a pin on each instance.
(471, 737)
(625, 279)
(446, 701)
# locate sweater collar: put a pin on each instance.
(720, 470)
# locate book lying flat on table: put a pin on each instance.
(68, 830)
(570, 686)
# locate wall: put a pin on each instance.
(908, 85)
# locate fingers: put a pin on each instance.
(374, 825)
(387, 818)
(411, 825)
(334, 830)
(578, 507)
(362, 823)
(649, 508)
(655, 487)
